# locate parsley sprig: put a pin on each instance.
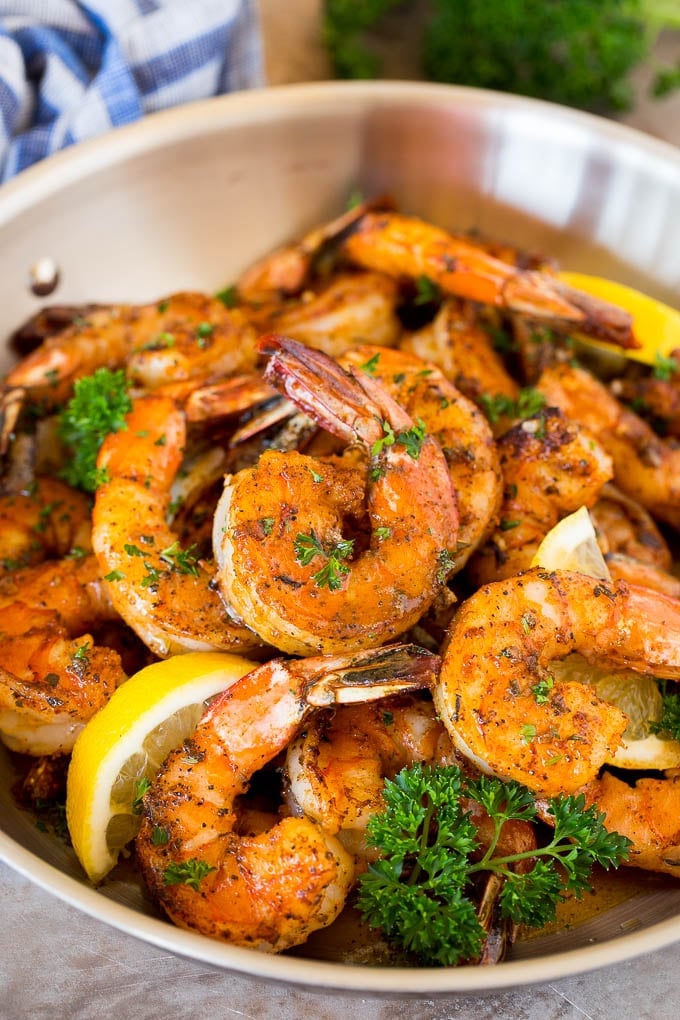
(529, 402)
(411, 439)
(417, 892)
(98, 406)
(332, 572)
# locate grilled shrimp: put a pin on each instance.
(646, 467)
(269, 890)
(498, 698)
(658, 399)
(184, 336)
(633, 547)
(286, 562)
(458, 426)
(405, 246)
(551, 466)
(53, 676)
(47, 519)
(337, 314)
(647, 811)
(161, 591)
(462, 349)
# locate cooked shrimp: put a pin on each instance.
(338, 313)
(459, 345)
(633, 547)
(183, 336)
(405, 246)
(459, 427)
(657, 400)
(286, 271)
(53, 676)
(496, 693)
(272, 890)
(286, 564)
(337, 766)
(47, 519)
(646, 467)
(160, 590)
(551, 467)
(647, 811)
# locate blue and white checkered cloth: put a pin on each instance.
(72, 70)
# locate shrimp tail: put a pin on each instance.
(340, 403)
(373, 675)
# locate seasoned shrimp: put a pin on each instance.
(286, 565)
(183, 336)
(633, 547)
(406, 246)
(458, 344)
(337, 766)
(459, 427)
(47, 519)
(268, 891)
(647, 811)
(496, 694)
(160, 590)
(551, 467)
(345, 310)
(646, 467)
(53, 676)
(658, 400)
(286, 271)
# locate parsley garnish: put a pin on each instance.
(426, 291)
(189, 872)
(529, 402)
(98, 406)
(228, 296)
(665, 367)
(141, 786)
(370, 366)
(184, 561)
(331, 574)
(412, 439)
(418, 890)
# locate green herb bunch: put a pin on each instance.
(98, 406)
(420, 891)
(574, 52)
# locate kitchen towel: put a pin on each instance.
(72, 70)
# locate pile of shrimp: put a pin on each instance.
(342, 466)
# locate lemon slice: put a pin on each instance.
(656, 326)
(572, 545)
(122, 747)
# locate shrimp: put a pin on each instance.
(268, 891)
(46, 519)
(184, 336)
(647, 811)
(633, 547)
(337, 766)
(52, 681)
(286, 271)
(336, 770)
(458, 426)
(658, 400)
(347, 309)
(551, 467)
(405, 246)
(285, 563)
(459, 345)
(498, 698)
(646, 467)
(161, 591)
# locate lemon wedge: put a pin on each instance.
(572, 545)
(656, 326)
(124, 744)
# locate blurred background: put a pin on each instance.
(610, 51)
